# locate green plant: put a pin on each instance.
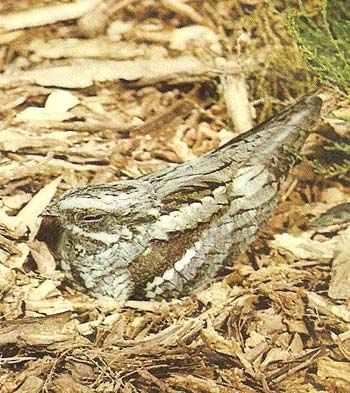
(323, 35)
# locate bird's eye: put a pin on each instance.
(92, 217)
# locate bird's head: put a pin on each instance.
(100, 229)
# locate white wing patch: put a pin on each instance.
(185, 260)
(154, 288)
(188, 216)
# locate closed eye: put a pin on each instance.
(92, 217)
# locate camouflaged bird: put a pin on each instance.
(166, 233)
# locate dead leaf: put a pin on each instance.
(303, 246)
(45, 262)
(341, 311)
(329, 368)
(32, 384)
(66, 383)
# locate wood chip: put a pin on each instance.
(30, 213)
(339, 286)
(46, 15)
(51, 326)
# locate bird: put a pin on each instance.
(166, 233)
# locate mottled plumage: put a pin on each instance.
(166, 233)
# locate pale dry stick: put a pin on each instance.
(152, 126)
(289, 190)
(16, 359)
(141, 72)
(46, 15)
(237, 102)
